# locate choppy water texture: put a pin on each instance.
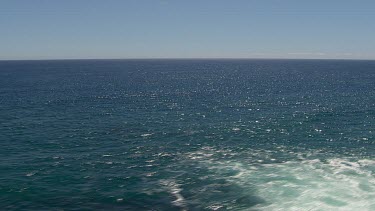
(187, 135)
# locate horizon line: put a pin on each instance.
(188, 58)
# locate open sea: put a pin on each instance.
(187, 135)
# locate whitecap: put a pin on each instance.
(174, 189)
(146, 134)
(31, 173)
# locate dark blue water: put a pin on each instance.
(187, 135)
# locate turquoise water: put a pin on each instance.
(187, 135)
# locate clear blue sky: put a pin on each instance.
(61, 29)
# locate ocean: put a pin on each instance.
(187, 134)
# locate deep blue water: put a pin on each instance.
(187, 135)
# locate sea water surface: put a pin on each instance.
(187, 135)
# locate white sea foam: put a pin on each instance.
(31, 173)
(174, 189)
(313, 185)
(301, 184)
(146, 134)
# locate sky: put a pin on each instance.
(106, 29)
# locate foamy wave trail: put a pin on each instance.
(309, 184)
(175, 190)
(316, 185)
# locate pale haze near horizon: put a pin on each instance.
(84, 29)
